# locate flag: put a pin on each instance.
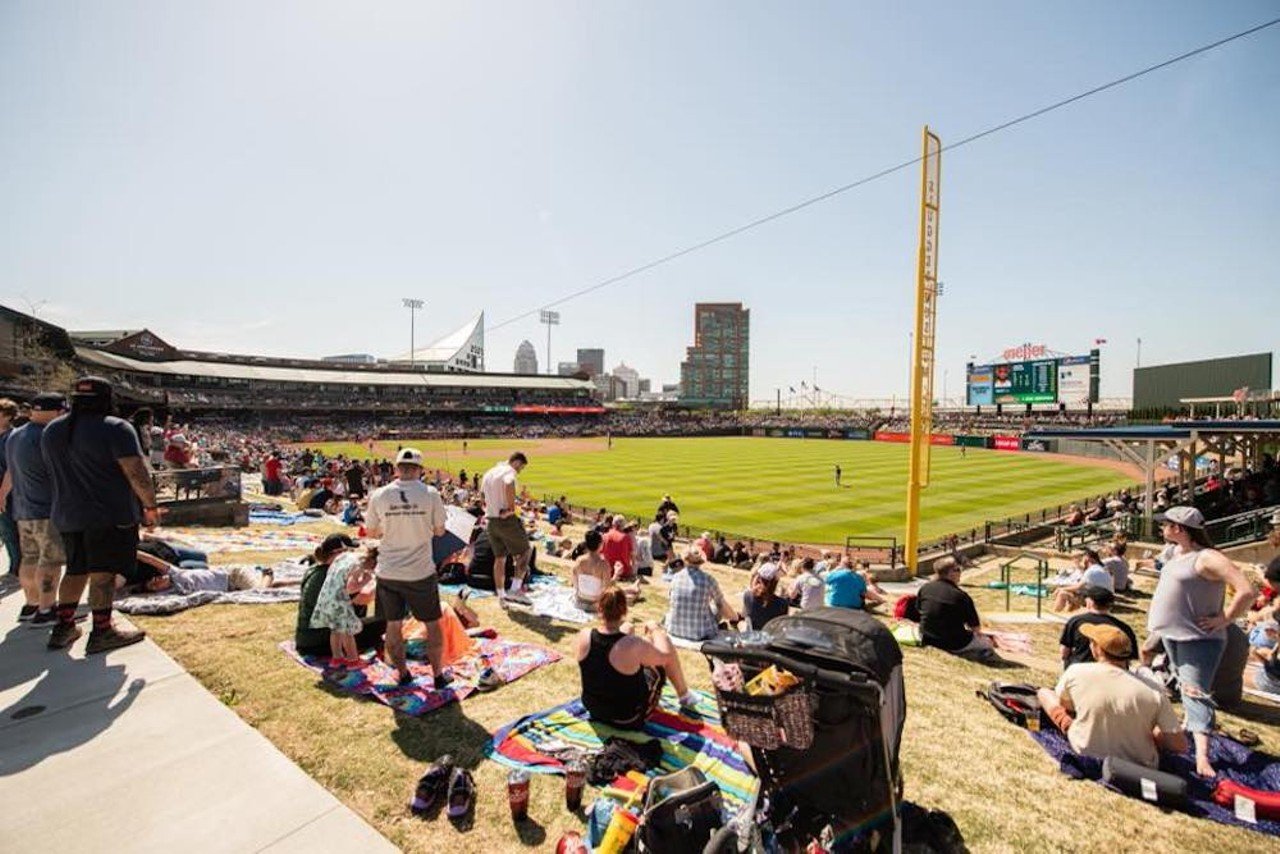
(793, 389)
(1098, 341)
(815, 388)
(802, 384)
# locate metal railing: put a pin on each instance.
(1038, 563)
(1241, 528)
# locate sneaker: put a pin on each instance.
(45, 618)
(105, 640)
(488, 680)
(64, 635)
(462, 793)
(518, 599)
(432, 786)
(443, 680)
(26, 613)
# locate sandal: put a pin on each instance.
(462, 793)
(1243, 736)
(432, 785)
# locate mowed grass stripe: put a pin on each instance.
(784, 488)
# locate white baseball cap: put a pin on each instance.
(409, 457)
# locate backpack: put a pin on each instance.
(682, 811)
(1017, 702)
(907, 608)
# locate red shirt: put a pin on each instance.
(271, 468)
(617, 549)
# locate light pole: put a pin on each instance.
(550, 318)
(413, 305)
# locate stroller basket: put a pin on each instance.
(769, 722)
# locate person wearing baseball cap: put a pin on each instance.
(26, 479)
(102, 492)
(309, 641)
(1074, 643)
(1105, 710)
(760, 601)
(1187, 612)
(405, 515)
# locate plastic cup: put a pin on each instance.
(518, 793)
(575, 779)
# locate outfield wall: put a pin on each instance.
(1022, 444)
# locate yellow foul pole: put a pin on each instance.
(922, 352)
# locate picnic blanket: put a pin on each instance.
(161, 604)
(1016, 642)
(1248, 681)
(215, 540)
(556, 601)
(1233, 761)
(377, 681)
(687, 739)
(1020, 589)
(260, 516)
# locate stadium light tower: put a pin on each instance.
(413, 305)
(550, 318)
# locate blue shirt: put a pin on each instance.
(32, 488)
(89, 487)
(845, 588)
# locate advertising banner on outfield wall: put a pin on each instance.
(1006, 443)
(857, 434)
(758, 431)
(941, 439)
(883, 436)
(1041, 446)
(974, 441)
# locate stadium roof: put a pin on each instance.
(1167, 432)
(334, 376)
(450, 347)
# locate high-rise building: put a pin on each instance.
(628, 379)
(591, 361)
(567, 369)
(715, 370)
(526, 359)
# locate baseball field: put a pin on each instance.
(782, 489)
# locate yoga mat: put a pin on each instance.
(377, 681)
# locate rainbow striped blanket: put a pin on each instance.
(687, 739)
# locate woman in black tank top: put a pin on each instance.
(625, 699)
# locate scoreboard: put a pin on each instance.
(1071, 380)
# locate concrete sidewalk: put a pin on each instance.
(127, 752)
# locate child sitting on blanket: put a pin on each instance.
(334, 609)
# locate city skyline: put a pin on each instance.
(234, 199)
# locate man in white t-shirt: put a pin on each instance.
(405, 515)
(506, 532)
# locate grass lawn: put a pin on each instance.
(780, 489)
(958, 754)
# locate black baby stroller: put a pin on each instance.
(826, 749)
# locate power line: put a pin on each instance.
(883, 173)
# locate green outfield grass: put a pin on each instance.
(780, 488)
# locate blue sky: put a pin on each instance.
(274, 177)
